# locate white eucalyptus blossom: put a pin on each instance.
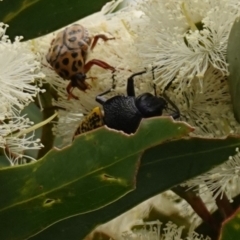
(19, 69)
(111, 6)
(183, 37)
(207, 108)
(222, 179)
(15, 146)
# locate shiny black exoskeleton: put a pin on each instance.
(125, 112)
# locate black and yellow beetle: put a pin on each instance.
(124, 113)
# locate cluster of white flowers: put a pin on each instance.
(184, 37)
(18, 71)
(221, 179)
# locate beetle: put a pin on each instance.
(67, 56)
(124, 113)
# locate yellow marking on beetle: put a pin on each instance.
(25, 4)
(92, 121)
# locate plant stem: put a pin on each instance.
(198, 206)
(224, 205)
(47, 138)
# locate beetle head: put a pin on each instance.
(150, 105)
(78, 80)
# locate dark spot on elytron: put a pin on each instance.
(80, 44)
(79, 63)
(74, 68)
(72, 32)
(55, 48)
(72, 39)
(65, 61)
(65, 73)
(74, 55)
(57, 65)
(61, 75)
(86, 39)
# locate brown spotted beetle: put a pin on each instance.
(67, 56)
(124, 113)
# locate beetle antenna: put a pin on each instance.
(155, 89)
(153, 77)
(168, 85)
(176, 112)
(113, 81)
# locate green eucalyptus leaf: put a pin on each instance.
(4, 162)
(231, 228)
(233, 58)
(97, 169)
(161, 168)
(34, 18)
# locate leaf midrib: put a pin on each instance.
(70, 182)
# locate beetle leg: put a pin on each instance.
(99, 63)
(69, 91)
(130, 84)
(100, 99)
(96, 38)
